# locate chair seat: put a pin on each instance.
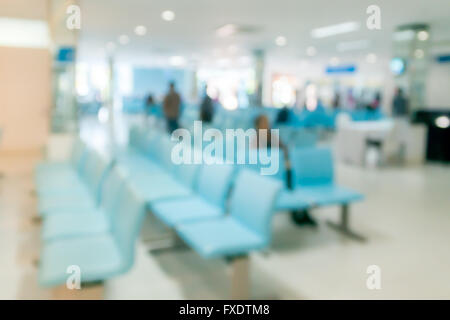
(97, 257)
(135, 161)
(220, 237)
(69, 224)
(188, 209)
(158, 187)
(292, 200)
(50, 168)
(330, 194)
(54, 205)
(58, 184)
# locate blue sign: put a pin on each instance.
(443, 59)
(66, 54)
(351, 68)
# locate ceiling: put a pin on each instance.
(193, 32)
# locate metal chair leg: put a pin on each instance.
(240, 278)
(343, 226)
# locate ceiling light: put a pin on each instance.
(177, 61)
(334, 29)
(419, 54)
(280, 41)
(24, 33)
(403, 35)
(371, 58)
(124, 39)
(140, 30)
(311, 51)
(352, 45)
(110, 46)
(442, 122)
(226, 30)
(168, 15)
(423, 35)
(334, 61)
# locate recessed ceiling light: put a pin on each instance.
(419, 54)
(124, 39)
(442, 122)
(311, 51)
(334, 61)
(140, 30)
(334, 29)
(226, 30)
(371, 58)
(280, 41)
(352, 45)
(110, 46)
(423, 35)
(404, 35)
(168, 15)
(177, 61)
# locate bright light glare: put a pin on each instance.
(177, 61)
(311, 51)
(226, 31)
(168, 15)
(333, 30)
(281, 41)
(371, 58)
(442, 122)
(124, 39)
(24, 33)
(423, 35)
(103, 115)
(140, 30)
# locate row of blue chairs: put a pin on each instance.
(77, 227)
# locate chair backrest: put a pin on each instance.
(276, 167)
(304, 138)
(111, 190)
(214, 182)
(253, 201)
(78, 155)
(95, 172)
(127, 223)
(188, 174)
(311, 166)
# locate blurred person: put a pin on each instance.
(207, 108)
(400, 104)
(301, 217)
(282, 116)
(336, 101)
(375, 104)
(171, 107)
(149, 107)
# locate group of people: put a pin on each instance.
(172, 108)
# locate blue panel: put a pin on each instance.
(66, 54)
(443, 58)
(351, 68)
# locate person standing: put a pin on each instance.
(399, 104)
(171, 107)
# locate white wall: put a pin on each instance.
(438, 86)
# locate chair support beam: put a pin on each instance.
(343, 227)
(240, 278)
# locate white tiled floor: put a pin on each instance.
(406, 218)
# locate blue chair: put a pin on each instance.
(313, 177)
(247, 228)
(45, 170)
(209, 202)
(99, 256)
(82, 195)
(70, 222)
